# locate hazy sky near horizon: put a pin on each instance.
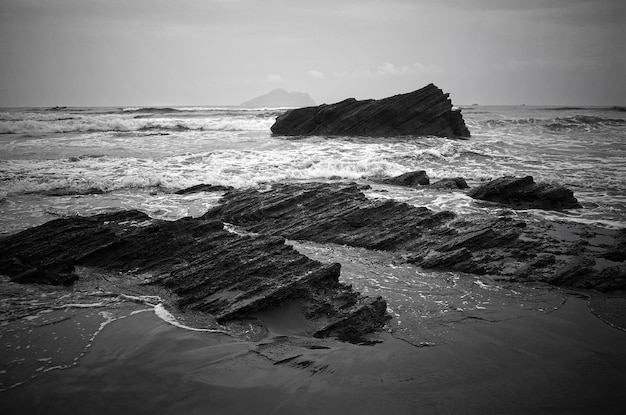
(209, 52)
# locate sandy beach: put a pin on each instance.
(563, 362)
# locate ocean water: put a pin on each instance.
(59, 162)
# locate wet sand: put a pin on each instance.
(564, 362)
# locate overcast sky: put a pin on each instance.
(205, 52)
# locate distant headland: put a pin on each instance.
(280, 98)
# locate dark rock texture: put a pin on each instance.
(410, 179)
(234, 275)
(524, 193)
(208, 268)
(338, 213)
(427, 111)
(203, 188)
(480, 243)
(450, 183)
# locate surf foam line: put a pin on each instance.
(169, 318)
(155, 302)
(108, 319)
(109, 299)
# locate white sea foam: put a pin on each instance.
(143, 149)
(125, 121)
(166, 316)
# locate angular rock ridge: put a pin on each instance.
(209, 269)
(480, 244)
(427, 111)
(338, 213)
(524, 193)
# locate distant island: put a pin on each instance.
(280, 98)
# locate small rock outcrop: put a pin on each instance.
(524, 193)
(450, 183)
(209, 269)
(279, 98)
(410, 179)
(427, 111)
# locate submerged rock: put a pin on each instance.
(209, 269)
(427, 111)
(524, 193)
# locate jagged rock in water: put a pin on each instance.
(427, 111)
(446, 260)
(73, 192)
(524, 193)
(329, 212)
(617, 252)
(479, 243)
(209, 269)
(410, 179)
(203, 188)
(450, 183)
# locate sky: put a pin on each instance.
(223, 52)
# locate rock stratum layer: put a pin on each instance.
(427, 111)
(208, 269)
(524, 193)
(236, 274)
(480, 244)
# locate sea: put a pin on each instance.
(66, 161)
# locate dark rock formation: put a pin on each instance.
(410, 179)
(617, 252)
(450, 183)
(279, 98)
(337, 212)
(524, 193)
(203, 188)
(209, 269)
(446, 260)
(233, 276)
(427, 111)
(72, 192)
(510, 248)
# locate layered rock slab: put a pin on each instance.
(480, 243)
(524, 193)
(208, 269)
(330, 212)
(427, 111)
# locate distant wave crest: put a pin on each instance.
(558, 123)
(583, 121)
(125, 124)
(150, 110)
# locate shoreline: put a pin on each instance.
(565, 361)
(504, 341)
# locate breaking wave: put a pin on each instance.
(114, 123)
(557, 123)
(55, 121)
